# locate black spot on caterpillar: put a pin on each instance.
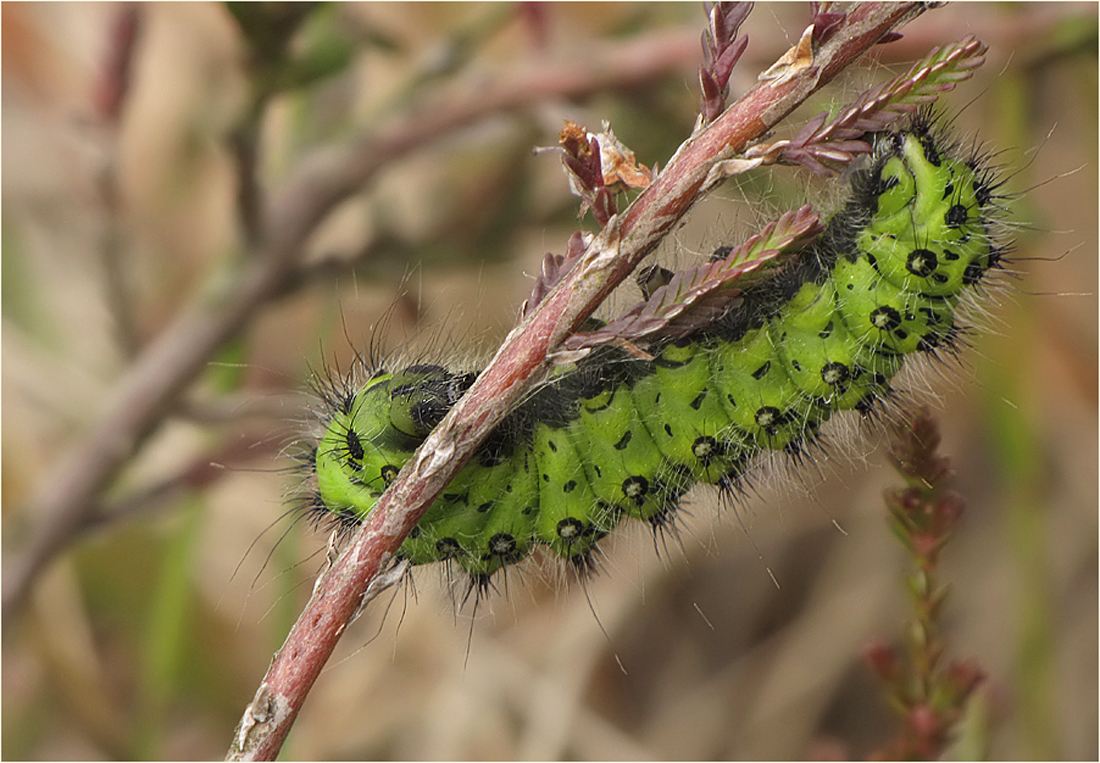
(616, 436)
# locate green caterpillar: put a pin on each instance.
(617, 436)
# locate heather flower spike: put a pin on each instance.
(929, 699)
(839, 141)
(554, 268)
(721, 48)
(698, 296)
(620, 169)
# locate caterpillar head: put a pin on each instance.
(365, 445)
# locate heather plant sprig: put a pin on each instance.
(928, 697)
(721, 49)
(698, 296)
(533, 348)
(839, 141)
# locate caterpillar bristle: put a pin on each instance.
(479, 585)
(664, 517)
(586, 564)
(668, 526)
(322, 518)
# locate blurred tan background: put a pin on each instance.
(122, 208)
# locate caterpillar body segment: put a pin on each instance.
(616, 463)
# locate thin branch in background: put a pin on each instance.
(198, 473)
(528, 353)
(112, 88)
(268, 32)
